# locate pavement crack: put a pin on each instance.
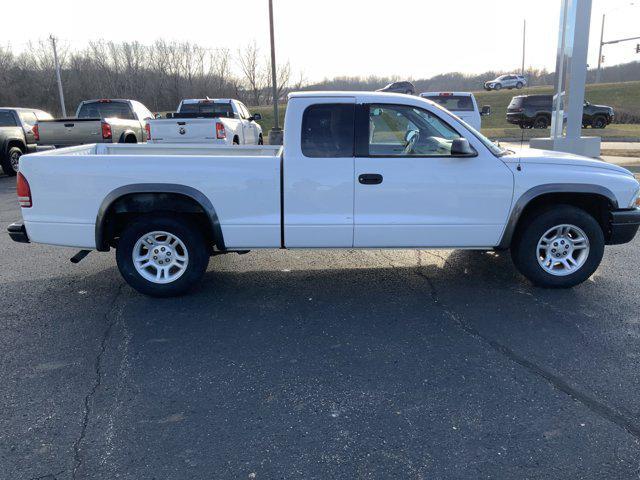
(555, 381)
(111, 321)
(48, 476)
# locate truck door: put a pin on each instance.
(410, 191)
(318, 173)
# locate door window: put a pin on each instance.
(328, 130)
(7, 119)
(403, 130)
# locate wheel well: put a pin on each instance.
(598, 206)
(16, 143)
(126, 208)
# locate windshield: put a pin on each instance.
(497, 150)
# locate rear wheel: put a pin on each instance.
(558, 248)
(599, 122)
(541, 122)
(260, 140)
(236, 141)
(162, 256)
(11, 162)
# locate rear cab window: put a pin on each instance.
(106, 109)
(208, 109)
(460, 103)
(328, 130)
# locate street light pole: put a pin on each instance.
(59, 78)
(524, 41)
(275, 134)
(600, 51)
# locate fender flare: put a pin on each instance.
(7, 141)
(194, 194)
(527, 197)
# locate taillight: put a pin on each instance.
(147, 128)
(220, 131)
(36, 132)
(24, 192)
(106, 131)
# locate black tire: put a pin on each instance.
(188, 233)
(497, 86)
(260, 140)
(525, 243)
(519, 85)
(236, 141)
(599, 122)
(541, 122)
(9, 160)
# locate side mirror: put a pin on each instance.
(486, 110)
(157, 115)
(256, 116)
(460, 147)
(170, 115)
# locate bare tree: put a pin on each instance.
(253, 74)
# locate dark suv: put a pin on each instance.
(534, 111)
(399, 87)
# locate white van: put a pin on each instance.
(462, 104)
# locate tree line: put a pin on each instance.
(159, 75)
(162, 73)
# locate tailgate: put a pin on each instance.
(187, 130)
(70, 131)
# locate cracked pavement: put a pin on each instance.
(317, 364)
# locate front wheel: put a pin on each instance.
(519, 85)
(497, 86)
(558, 248)
(162, 256)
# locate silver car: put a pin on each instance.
(506, 81)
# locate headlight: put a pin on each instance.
(635, 201)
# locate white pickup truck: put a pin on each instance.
(462, 104)
(357, 170)
(218, 121)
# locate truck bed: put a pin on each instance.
(243, 182)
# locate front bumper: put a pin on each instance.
(624, 225)
(18, 233)
(515, 118)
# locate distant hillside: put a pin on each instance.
(460, 81)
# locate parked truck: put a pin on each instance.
(219, 121)
(97, 121)
(357, 170)
(17, 135)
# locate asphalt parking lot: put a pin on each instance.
(317, 365)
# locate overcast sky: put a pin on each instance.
(326, 38)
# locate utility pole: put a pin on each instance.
(524, 42)
(275, 135)
(55, 58)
